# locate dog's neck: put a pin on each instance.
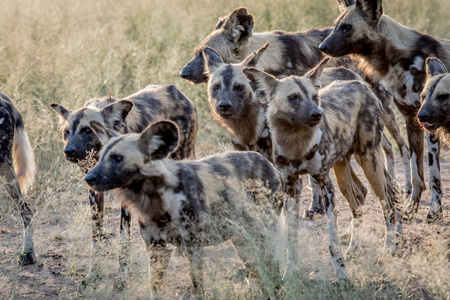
(247, 126)
(294, 142)
(392, 44)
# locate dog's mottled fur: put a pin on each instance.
(190, 204)
(288, 54)
(132, 114)
(233, 38)
(314, 131)
(434, 116)
(394, 54)
(17, 169)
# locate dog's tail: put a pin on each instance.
(23, 158)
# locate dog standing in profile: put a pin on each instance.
(132, 114)
(17, 169)
(193, 203)
(395, 55)
(316, 130)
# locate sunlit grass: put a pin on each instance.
(70, 51)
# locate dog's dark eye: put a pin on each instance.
(346, 28)
(443, 97)
(66, 134)
(239, 87)
(315, 98)
(116, 157)
(116, 123)
(216, 86)
(293, 97)
(86, 130)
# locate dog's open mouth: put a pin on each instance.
(428, 126)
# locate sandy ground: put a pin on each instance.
(62, 240)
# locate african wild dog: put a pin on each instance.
(434, 116)
(191, 204)
(17, 169)
(132, 114)
(314, 131)
(289, 54)
(394, 54)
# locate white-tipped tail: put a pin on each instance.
(23, 160)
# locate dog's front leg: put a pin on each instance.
(337, 257)
(435, 213)
(96, 200)
(159, 260)
(195, 256)
(124, 251)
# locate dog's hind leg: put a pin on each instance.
(391, 125)
(371, 162)
(12, 186)
(360, 189)
(343, 171)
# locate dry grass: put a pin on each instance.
(69, 51)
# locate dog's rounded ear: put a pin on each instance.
(212, 60)
(103, 133)
(252, 59)
(159, 140)
(344, 4)
(116, 113)
(61, 111)
(372, 8)
(434, 67)
(239, 25)
(263, 84)
(315, 73)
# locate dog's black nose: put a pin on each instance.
(323, 47)
(185, 74)
(423, 116)
(70, 152)
(316, 115)
(225, 106)
(90, 179)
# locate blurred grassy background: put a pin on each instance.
(70, 51)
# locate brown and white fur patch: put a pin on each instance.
(395, 54)
(316, 130)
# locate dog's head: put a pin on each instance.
(228, 38)
(229, 91)
(353, 28)
(125, 158)
(292, 101)
(435, 97)
(78, 136)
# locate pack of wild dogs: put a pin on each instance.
(294, 103)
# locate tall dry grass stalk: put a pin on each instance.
(69, 51)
